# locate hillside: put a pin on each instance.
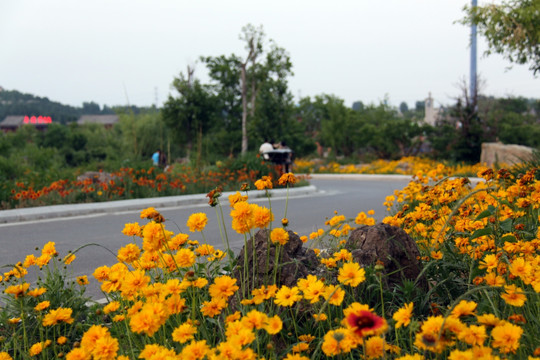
(13, 102)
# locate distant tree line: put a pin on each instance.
(13, 102)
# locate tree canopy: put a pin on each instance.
(511, 28)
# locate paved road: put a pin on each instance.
(306, 213)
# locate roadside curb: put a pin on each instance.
(64, 211)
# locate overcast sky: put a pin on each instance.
(119, 51)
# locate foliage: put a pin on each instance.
(169, 295)
(134, 183)
(511, 28)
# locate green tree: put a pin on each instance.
(191, 114)
(226, 132)
(511, 28)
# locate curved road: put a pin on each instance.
(306, 213)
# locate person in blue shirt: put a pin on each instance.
(155, 157)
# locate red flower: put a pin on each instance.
(364, 322)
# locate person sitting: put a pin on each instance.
(288, 157)
(265, 147)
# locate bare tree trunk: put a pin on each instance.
(244, 108)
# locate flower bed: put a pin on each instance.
(173, 296)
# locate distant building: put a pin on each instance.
(13, 122)
(431, 113)
(106, 120)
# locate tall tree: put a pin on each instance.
(190, 114)
(511, 28)
(249, 75)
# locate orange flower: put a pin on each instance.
(287, 178)
(264, 183)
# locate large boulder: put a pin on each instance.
(389, 246)
(500, 153)
(295, 261)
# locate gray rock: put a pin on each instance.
(295, 261)
(500, 153)
(392, 247)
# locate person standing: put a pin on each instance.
(162, 160)
(155, 157)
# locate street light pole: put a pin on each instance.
(473, 77)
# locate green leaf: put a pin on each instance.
(506, 225)
(481, 232)
(486, 213)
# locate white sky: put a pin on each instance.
(109, 51)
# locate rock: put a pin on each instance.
(295, 261)
(96, 177)
(391, 246)
(500, 153)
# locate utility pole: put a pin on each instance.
(473, 79)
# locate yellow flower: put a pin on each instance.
(223, 287)
(129, 253)
(78, 354)
(149, 213)
(262, 216)
(254, 320)
(461, 355)
(464, 308)
(287, 296)
(106, 348)
(37, 292)
(242, 217)
(37, 348)
(42, 305)
(375, 347)
(473, 335)
(58, 315)
(300, 347)
(334, 294)
(213, 307)
(197, 222)
(111, 307)
(403, 315)
(337, 342)
(320, 317)
(69, 259)
(237, 197)
(17, 290)
(195, 350)
(184, 333)
(61, 340)
(506, 337)
(351, 274)
(273, 325)
(205, 249)
(132, 229)
(264, 183)
(5, 356)
(185, 258)
(279, 235)
(514, 295)
(82, 280)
